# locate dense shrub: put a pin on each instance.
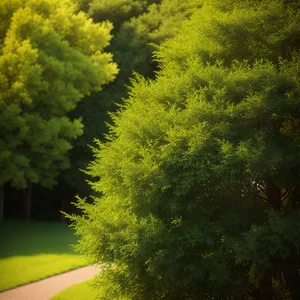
(199, 176)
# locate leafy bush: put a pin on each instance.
(199, 176)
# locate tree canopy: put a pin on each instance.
(137, 25)
(51, 56)
(199, 176)
(116, 11)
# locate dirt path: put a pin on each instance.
(48, 287)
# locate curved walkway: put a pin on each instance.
(48, 287)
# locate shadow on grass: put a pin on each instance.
(23, 238)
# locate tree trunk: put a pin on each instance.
(292, 277)
(266, 289)
(62, 208)
(1, 203)
(27, 202)
(274, 195)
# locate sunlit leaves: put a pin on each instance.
(199, 157)
(51, 57)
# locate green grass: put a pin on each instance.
(80, 291)
(31, 251)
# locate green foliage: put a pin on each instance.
(116, 11)
(131, 44)
(231, 30)
(136, 25)
(199, 176)
(51, 58)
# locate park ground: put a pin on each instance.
(31, 251)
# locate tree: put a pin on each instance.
(116, 11)
(199, 177)
(137, 24)
(51, 57)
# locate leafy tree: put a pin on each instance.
(137, 24)
(199, 176)
(116, 11)
(51, 57)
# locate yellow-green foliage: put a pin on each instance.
(136, 26)
(51, 56)
(199, 185)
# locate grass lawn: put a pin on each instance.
(80, 291)
(34, 250)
